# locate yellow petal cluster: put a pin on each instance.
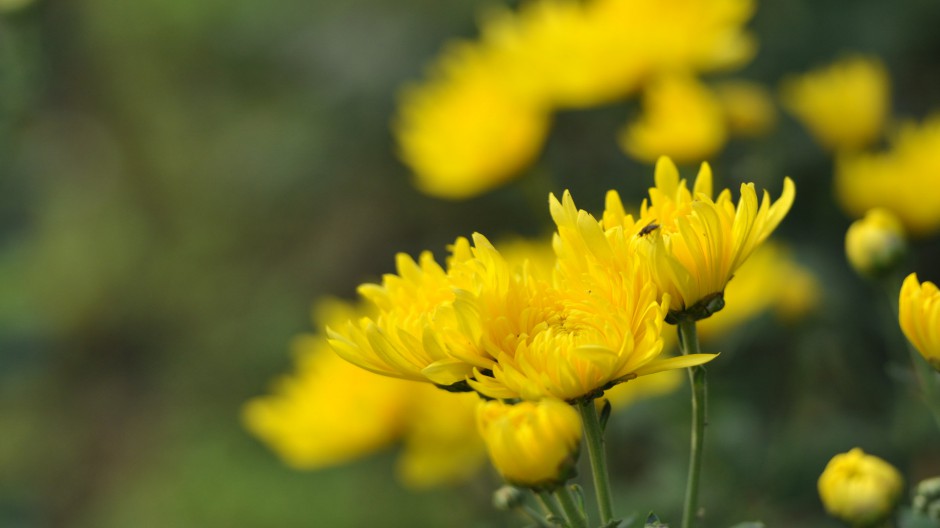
(875, 243)
(465, 130)
(681, 119)
(919, 314)
(747, 106)
(860, 489)
(417, 333)
(531, 444)
(843, 105)
(694, 243)
(905, 179)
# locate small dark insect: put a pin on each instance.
(649, 228)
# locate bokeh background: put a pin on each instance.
(180, 180)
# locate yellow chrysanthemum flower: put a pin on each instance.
(465, 130)
(860, 489)
(531, 444)
(681, 118)
(769, 280)
(567, 55)
(681, 35)
(694, 243)
(843, 105)
(905, 179)
(748, 107)
(417, 334)
(876, 243)
(305, 422)
(919, 314)
(567, 340)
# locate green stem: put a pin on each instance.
(595, 444)
(535, 516)
(576, 518)
(550, 505)
(688, 341)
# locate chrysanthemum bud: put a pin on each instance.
(531, 444)
(919, 315)
(508, 498)
(860, 489)
(876, 243)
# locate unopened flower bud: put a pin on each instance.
(860, 489)
(508, 498)
(531, 444)
(876, 243)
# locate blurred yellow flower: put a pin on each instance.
(329, 412)
(919, 314)
(843, 105)
(681, 118)
(876, 243)
(465, 130)
(440, 441)
(748, 107)
(661, 383)
(860, 489)
(566, 54)
(904, 179)
(531, 444)
(769, 280)
(308, 425)
(694, 243)
(683, 35)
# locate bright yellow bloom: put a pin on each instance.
(876, 243)
(416, 333)
(905, 179)
(843, 105)
(681, 118)
(748, 107)
(769, 280)
(531, 444)
(465, 130)
(860, 489)
(329, 412)
(919, 314)
(694, 243)
(572, 339)
(683, 35)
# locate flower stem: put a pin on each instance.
(688, 341)
(595, 443)
(550, 505)
(576, 518)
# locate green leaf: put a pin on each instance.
(749, 524)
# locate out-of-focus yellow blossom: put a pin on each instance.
(748, 107)
(679, 35)
(769, 280)
(876, 243)
(919, 314)
(569, 340)
(624, 394)
(328, 412)
(905, 179)
(417, 333)
(531, 444)
(681, 118)
(440, 442)
(465, 131)
(567, 54)
(860, 489)
(843, 105)
(695, 244)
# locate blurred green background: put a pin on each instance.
(180, 180)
